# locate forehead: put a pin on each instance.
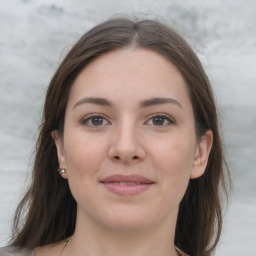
(130, 74)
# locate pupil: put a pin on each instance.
(97, 121)
(158, 120)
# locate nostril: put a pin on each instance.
(134, 157)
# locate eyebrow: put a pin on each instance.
(94, 100)
(159, 101)
(143, 104)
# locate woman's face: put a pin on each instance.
(129, 143)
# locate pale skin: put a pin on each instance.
(131, 132)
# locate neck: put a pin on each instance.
(92, 239)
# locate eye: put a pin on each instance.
(160, 120)
(95, 120)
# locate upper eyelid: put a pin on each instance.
(88, 117)
(148, 118)
(162, 115)
(95, 115)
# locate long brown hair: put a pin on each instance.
(47, 212)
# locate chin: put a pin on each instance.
(127, 220)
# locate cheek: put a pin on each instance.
(83, 154)
(84, 157)
(175, 157)
(173, 161)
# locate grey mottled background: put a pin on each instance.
(36, 34)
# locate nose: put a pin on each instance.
(126, 145)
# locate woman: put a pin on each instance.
(129, 159)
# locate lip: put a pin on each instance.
(126, 184)
(126, 178)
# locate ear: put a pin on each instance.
(202, 153)
(60, 151)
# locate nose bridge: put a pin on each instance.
(126, 144)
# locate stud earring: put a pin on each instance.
(62, 170)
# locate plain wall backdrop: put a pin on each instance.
(36, 35)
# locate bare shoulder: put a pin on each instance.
(15, 251)
(50, 249)
(182, 253)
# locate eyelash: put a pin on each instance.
(158, 115)
(90, 117)
(165, 117)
